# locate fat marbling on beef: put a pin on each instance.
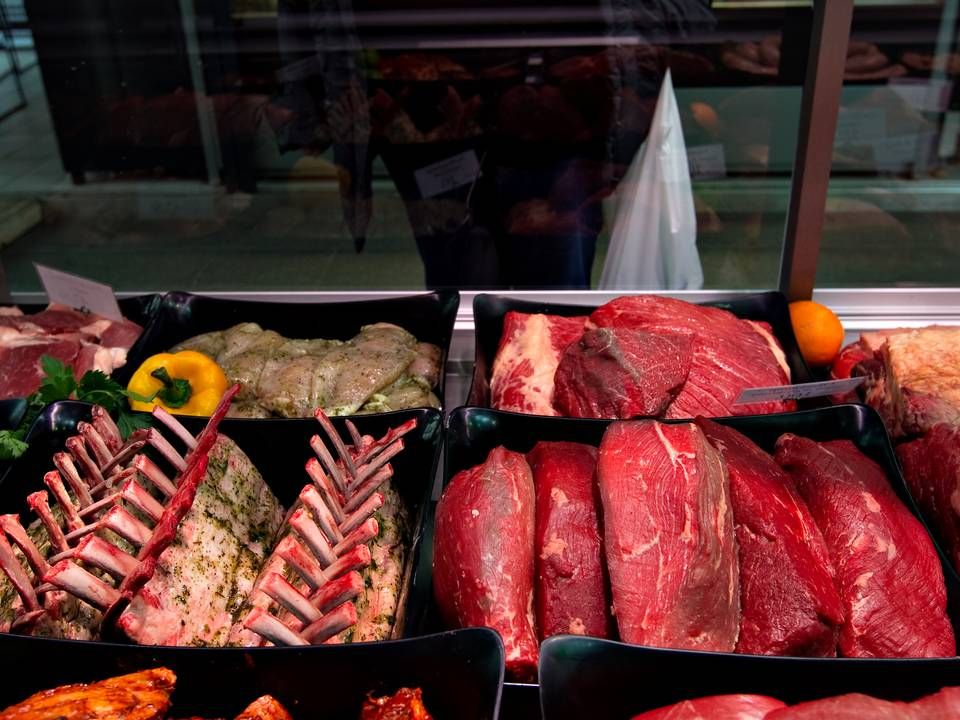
(729, 354)
(483, 557)
(669, 536)
(716, 707)
(788, 597)
(621, 373)
(888, 572)
(931, 467)
(527, 358)
(571, 588)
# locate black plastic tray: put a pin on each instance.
(461, 674)
(601, 679)
(489, 310)
(429, 316)
(472, 432)
(279, 449)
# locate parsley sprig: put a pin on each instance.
(59, 383)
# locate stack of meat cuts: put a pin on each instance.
(944, 704)
(709, 543)
(913, 381)
(636, 356)
(80, 340)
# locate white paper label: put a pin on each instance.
(798, 392)
(446, 175)
(860, 127)
(79, 292)
(924, 95)
(706, 161)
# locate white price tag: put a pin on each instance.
(79, 292)
(706, 161)
(798, 392)
(924, 95)
(860, 127)
(446, 175)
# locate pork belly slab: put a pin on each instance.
(788, 596)
(209, 570)
(530, 349)
(931, 467)
(571, 594)
(483, 555)
(888, 572)
(669, 536)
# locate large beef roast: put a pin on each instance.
(788, 597)
(669, 536)
(483, 558)
(888, 572)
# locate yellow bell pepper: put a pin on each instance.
(187, 383)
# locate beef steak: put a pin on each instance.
(888, 572)
(669, 537)
(788, 597)
(621, 373)
(529, 352)
(931, 467)
(571, 594)
(729, 354)
(483, 557)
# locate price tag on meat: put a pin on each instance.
(79, 292)
(446, 175)
(798, 392)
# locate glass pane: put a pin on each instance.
(299, 144)
(892, 214)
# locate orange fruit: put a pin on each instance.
(706, 117)
(819, 331)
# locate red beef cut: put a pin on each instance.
(483, 555)
(931, 467)
(621, 373)
(788, 598)
(939, 706)
(668, 536)
(571, 595)
(888, 572)
(20, 370)
(729, 354)
(718, 707)
(529, 352)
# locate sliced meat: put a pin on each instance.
(529, 352)
(621, 373)
(888, 572)
(941, 705)
(931, 467)
(571, 592)
(20, 371)
(483, 555)
(669, 536)
(729, 354)
(788, 597)
(718, 707)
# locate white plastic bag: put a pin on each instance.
(653, 245)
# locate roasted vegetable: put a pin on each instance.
(186, 382)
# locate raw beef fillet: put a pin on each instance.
(788, 598)
(931, 467)
(913, 379)
(718, 707)
(529, 352)
(571, 593)
(939, 706)
(888, 572)
(621, 373)
(729, 354)
(669, 538)
(483, 561)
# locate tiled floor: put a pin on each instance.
(138, 233)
